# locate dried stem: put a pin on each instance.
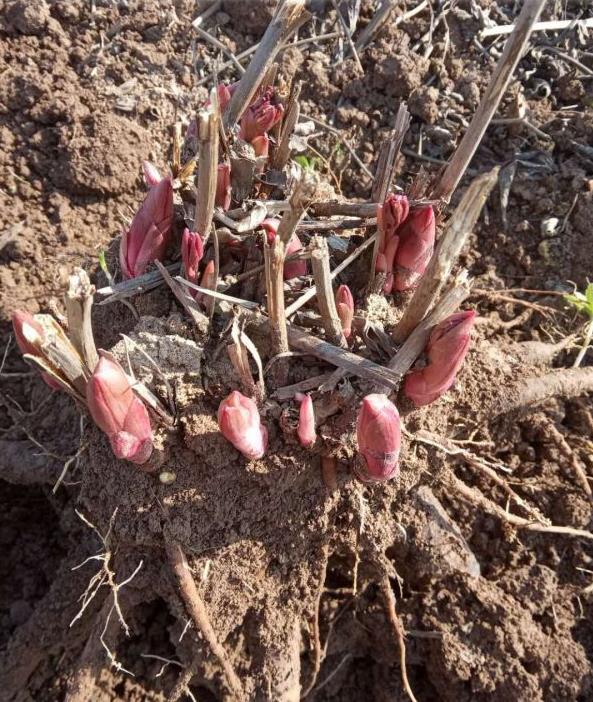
(289, 16)
(416, 342)
(447, 252)
(385, 168)
(274, 262)
(399, 631)
(79, 303)
(197, 611)
(187, 302)
(301, 196)
(388, 155)
(325, 293)
(135, 286)
(490, 100)
(207, 171)
(380, 17)
(350, 362)
(282, 151)
(312, 291)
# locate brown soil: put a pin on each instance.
(492, 613)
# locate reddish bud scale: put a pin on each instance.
(239, 423)
(261, 145)
(390, 215)
(306, 427)
(118, 412)
(192, 252)
(147, 236)
(447, 347)
(223, 186)
(29, 336)
(207, 281)
(416, 244)
(151, 174)
(345, 309)
(260, 116)
(378, 432)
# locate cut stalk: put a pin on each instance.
(207, 171)
(507, 63)
(289, 16)
(445, 257)
(78, 301)
(325, 293)
(274, 262)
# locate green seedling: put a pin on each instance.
(583, 302)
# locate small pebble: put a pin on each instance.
(166, 477)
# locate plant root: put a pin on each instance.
(92, 657)
(398, 629)
(570, 382)
(476, 498)
(197, 611)
(317, 659)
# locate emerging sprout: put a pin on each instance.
(306, 426)
(416, 244)
(147, 236)
(260, 116)
(239, 422)
(119, 412)
(446, 349)
(378, 432)
(223, 186)
(345, 308)
(192, 252)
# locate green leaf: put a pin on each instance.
(583, 302)
(103, 262)
(308, 163)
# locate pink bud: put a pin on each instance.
(260, 116)
(147, 236)
(292, 269)
(239, 422)
(192, 252)
(223, 186)
(391, 214)
(119, 412)
(270, 226)
(446, 349)
(207, 281)
(345, 308)
(151, 174)
(225, 93)
(261, 145)
(306, 427)
(378, 433)
(416, 244)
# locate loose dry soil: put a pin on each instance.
(87, 91)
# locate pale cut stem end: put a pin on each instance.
(78, 301)
(325, 295)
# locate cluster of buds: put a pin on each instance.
(292, 269)
(345, 309)
(378, 432)
(258, 119)
(118, 412)
(240, 424)
(446, 350)
(147, 236)
(406, 242)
